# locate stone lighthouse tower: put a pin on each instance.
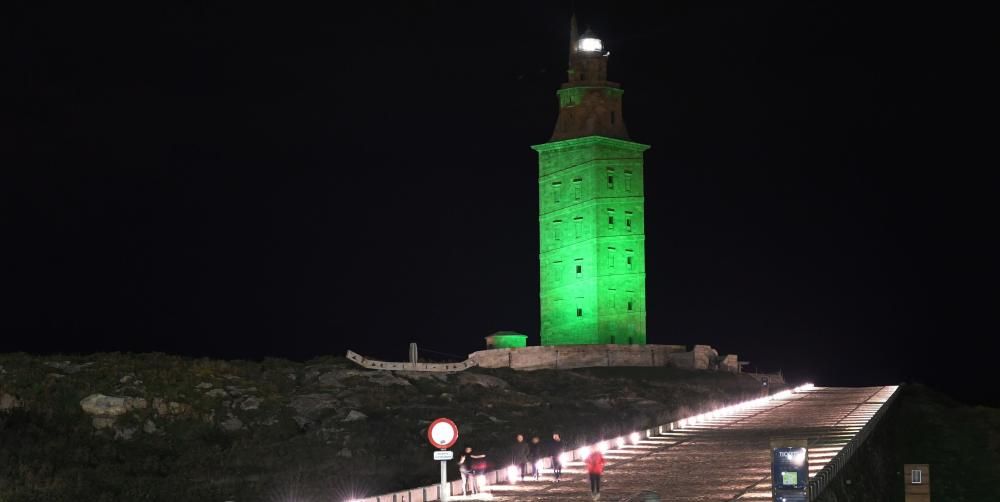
(591, 211)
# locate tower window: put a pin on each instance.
(556, 230)
(628, 181)
(628, 261)
(578, 226)
(556, 191)
(611, 257)
(577, 188)
(611, 179)
(579, 270)
(631, 300)
(611, 218)
(628, 221)
(579, 311)
(630, 305)
(611, 299)
(916, 476)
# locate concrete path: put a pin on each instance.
(725, 458)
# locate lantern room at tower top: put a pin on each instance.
(591, 211)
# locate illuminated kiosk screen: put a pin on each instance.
(789, 478)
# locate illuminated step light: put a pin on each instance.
(512, 474)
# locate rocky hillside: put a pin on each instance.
(152, 427)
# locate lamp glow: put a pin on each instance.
(634, 437)
(590, 44)
(512, 473)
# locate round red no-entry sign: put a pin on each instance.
(442, 433)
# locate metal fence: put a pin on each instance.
(823, 478)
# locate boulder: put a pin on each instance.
(312, 406)
(231, 424)
(354, 415)
(481, 380)
(250, 403)
(102, 422)
(125, 433)
(385, 379)
(164, 408)
(335, 377)
(423, 375)
(104, 406)
(216, 393)
(149, 427)
(9, 402)
(179, 408)
(135, 403)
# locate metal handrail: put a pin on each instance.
(822, 479)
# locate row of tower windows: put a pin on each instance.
(578, 185)
(578, 225)
(578, 262)
(629, 305)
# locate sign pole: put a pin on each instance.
(444, 480)
(443, 433)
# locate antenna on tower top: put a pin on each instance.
(572, 34)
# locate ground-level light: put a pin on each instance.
(634, 437)
(512, 473)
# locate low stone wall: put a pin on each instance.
(701, 357)
(394, 366)
(578, 356)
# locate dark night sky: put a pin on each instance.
(246, 181)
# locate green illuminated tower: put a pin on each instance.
(591, 217)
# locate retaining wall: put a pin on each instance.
(701, 357)
(576, 356)
(394, 366)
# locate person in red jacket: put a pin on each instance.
(595, 467)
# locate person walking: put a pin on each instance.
(595, 467)
(467, 469)
(519, 454)
(479, 466)
(535, 456)
(555, 451)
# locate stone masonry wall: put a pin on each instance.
(577, 356)
(702, 357)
